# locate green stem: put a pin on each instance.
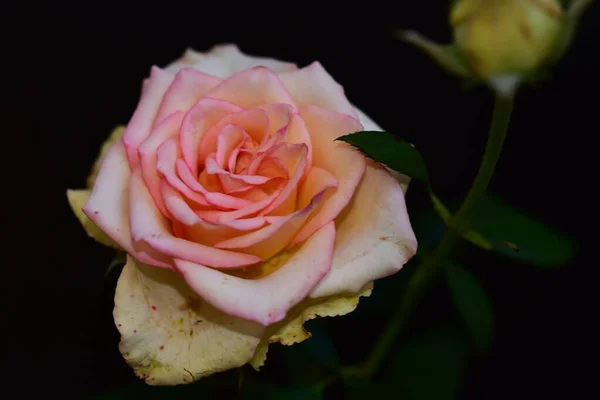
(423, 276)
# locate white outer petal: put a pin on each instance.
(225, 60)
(171, 336)
(374, 235)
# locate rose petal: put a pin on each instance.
(171, 336)
(255, 123)
(198, 120)
(346, 164)
(294, 158)
(317, 181)
(148, 225)
(374, 238)
(270, 240)
(291, 329)
(167, 156)
(227, 216)
(141, 122)
(252, 88)
(77, 199)
(107, 206)
(187, 88)
(230, 137)
(168, 127)
(312, 85)
(225, 60)
(199, 231)
(265, 300)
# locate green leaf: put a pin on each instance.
(473, 305)
(538, 243)
(384, 148)
(429, 366)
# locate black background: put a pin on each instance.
(73, 72)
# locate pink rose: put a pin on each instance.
(228, 174)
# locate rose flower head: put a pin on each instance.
(241, 215)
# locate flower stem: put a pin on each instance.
(432, 264)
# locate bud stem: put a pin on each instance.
(433, 264)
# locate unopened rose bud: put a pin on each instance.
(506, 39)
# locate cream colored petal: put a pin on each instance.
(291, 329)
(225, 60)
(374, 235)
(169, 335)
(77, 199)
(115, 135)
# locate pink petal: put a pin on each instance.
(187, 88)
(252, 88)
(142, 120)
(346, 164)
(297, 134)
(270, 240)
(212, 167)
(255, 123)
(294, 156)
(199, 119)
(279, 116)
(197, 230)
(107, 206)
(150, 226)
(268, 299)
(231, 136)
(166, 158)
(317, 181)
(312, 85)
(227, 216)
(167, 128)
(374, 237)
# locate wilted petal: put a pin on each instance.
(171, 336)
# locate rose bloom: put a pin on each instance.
(241, 215)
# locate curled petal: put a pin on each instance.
(167, 128)
(291, 330)
(265, 300)
(374, 238)
(151, 227)
(253, 88)
(141, 122)
(107, 206)
(273, 238)
(346, 164)
(198, 120)
(312, 85)
(169, 335)
(225, 60)
(187, 88)
(197, 230)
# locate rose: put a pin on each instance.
(228, 179)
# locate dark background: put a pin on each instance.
(72, 73)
